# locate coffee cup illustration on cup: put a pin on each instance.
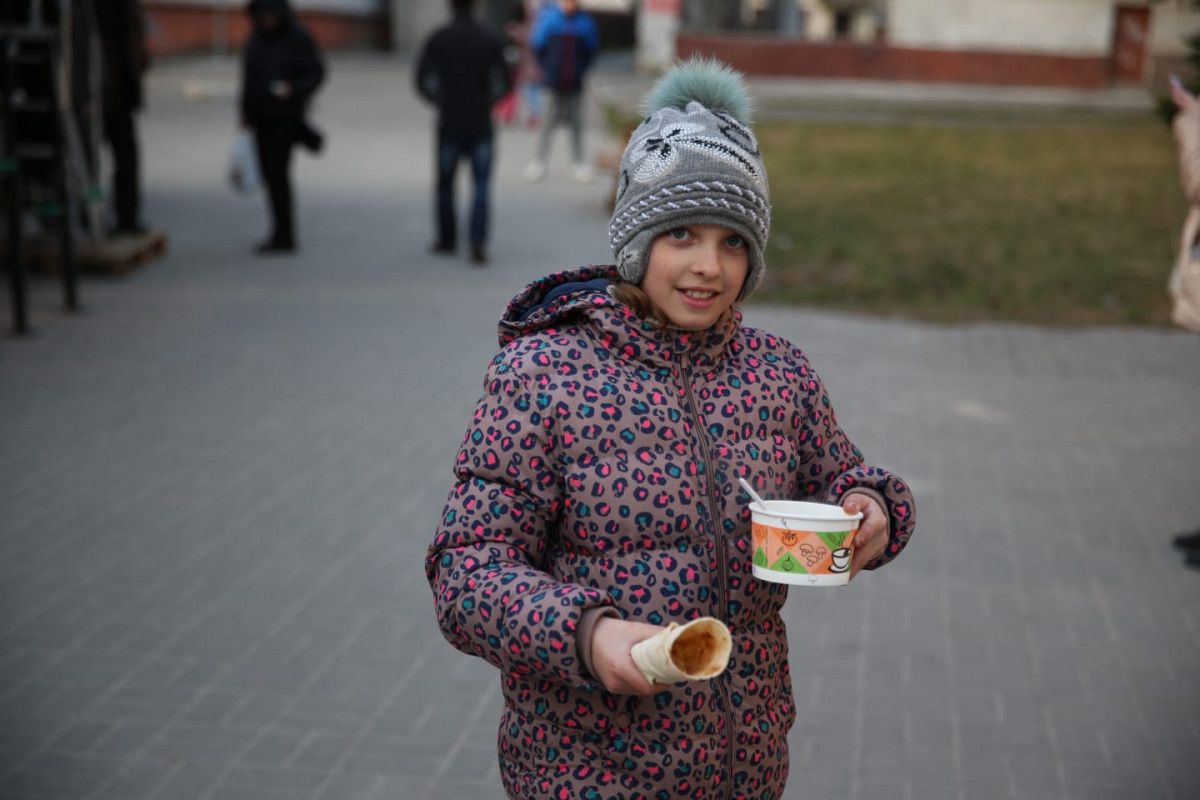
(841, 560)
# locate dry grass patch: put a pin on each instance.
(1054, 224)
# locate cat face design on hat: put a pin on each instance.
(677, 132)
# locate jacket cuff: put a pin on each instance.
(584, 631)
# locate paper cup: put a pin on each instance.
(804, 544)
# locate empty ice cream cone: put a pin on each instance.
(691, 652)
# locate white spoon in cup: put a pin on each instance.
(753, 494)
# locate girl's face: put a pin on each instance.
(696, 273)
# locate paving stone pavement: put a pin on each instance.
(220, 480)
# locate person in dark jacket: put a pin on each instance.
(565, 41)
(281, 69)
(121, 29)
(596, 496)
(462, 71)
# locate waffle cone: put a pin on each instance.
(696, 651)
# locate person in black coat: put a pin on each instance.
(281, 69)
(462, 71)
(121, 31)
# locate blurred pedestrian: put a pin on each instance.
(529, 72)
(565, 41)
(281, 69)
(462, 71)
(121, 28)
(1185, 278)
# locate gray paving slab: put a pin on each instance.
(220, 481)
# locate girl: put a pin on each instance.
(596, 498)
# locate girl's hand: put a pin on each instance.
(612, 641)
(872, 535)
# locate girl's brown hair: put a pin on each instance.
(632, 295)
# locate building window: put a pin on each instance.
(843, 24)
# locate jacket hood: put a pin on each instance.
(551, 300)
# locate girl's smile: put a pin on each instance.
(699, 299)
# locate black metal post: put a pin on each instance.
(17, 278)
(66, 244)
(10, 177)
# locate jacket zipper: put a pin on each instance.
(722, 566)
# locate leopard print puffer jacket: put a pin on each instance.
(600, 469)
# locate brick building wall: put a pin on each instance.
(882, 61)
(180, 27)
(1065, 43)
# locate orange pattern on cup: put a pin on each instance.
(806, 547)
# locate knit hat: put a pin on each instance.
(692, 161)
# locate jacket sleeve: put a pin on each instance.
(244, 89)
(425, 77)
(493, 600)
(499, 74)
(308, 70)
(832, 466)
(591, 38)
(540, 33)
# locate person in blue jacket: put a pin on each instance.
(565, 41)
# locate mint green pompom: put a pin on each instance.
(711, 83)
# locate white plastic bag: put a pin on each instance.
(244, 173)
